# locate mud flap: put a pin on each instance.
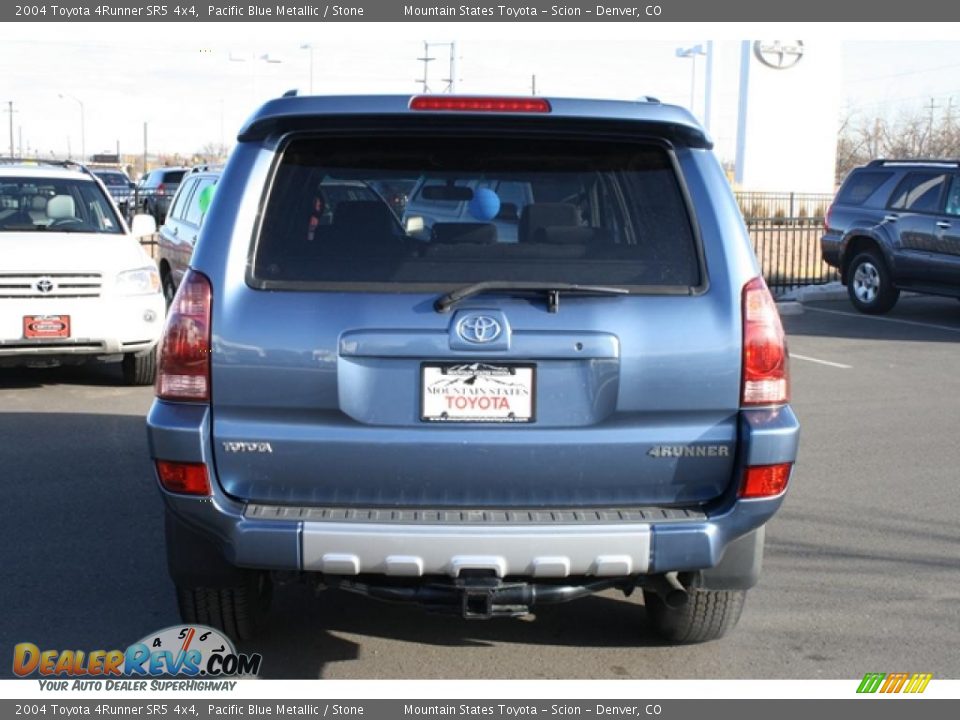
(194, 559)
(740, 567)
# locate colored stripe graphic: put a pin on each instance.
(918, 682)
(871, 682)
(894, 683)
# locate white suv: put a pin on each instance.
(75, 283)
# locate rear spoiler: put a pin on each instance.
(646, 117)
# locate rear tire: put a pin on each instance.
(140, 369)
(869, 284)
(169, 289)
(238, 611)
(708, 615)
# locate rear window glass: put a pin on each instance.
(919, 192)
(860, 186)
(113, 179)
(571, 211)
(174, 176)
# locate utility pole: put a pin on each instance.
(426, 60)
(452, 87)
(708, 87)
(11, 111)
(450, 81)
(931, 107)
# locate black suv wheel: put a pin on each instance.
(707, 615)
(869, 284)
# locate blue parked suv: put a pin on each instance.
(895, 225)
(476, 421)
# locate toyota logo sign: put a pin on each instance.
(479, 329)
(777, 54)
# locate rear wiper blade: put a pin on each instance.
(553, 290)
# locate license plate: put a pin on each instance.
(46, 326)
(477, 392)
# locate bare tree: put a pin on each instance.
(910, 135)
(213, 152)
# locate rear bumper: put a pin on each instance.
(606, 543)
(830, 249)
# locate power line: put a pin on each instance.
(902, 74)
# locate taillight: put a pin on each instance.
(161, 190)
(479, 104)
(765, 480)
(183, 478)
(766, 376)
(183, 370)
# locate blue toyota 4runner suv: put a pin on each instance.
(476, 423)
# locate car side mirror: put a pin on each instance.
(143, 225)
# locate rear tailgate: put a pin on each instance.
(336, 382)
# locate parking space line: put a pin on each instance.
(885, 319)
(821, 362)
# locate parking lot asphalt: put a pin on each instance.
(862, 567)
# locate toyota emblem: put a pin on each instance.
(479, 329)
(778, 55)
(44, 285)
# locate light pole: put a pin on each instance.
(692, 52)
(83, 126)
(309, 46)
(266, 57)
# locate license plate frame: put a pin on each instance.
(500, 383)
(39, 327)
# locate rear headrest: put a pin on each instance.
(456, 233)
(350, 211)
(559, 235)
(38, 202)
(540, 215)
(61, 206)
(369, 220)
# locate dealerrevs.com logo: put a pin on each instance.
(192, 651)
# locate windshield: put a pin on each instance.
(480, 209)
(56, 205)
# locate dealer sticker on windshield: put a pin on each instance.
(477, 392)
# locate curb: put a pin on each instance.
(790, 307)
(810, 293)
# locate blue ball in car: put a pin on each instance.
(485, 204)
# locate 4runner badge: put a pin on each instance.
(677, 451)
